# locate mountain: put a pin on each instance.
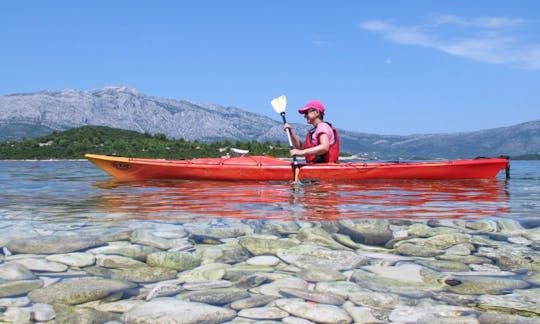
(34, 114)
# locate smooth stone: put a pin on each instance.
(534, 278)
(117, 261)
(171, 233)
(485, 268)
(66, 314)
(320, 274)
(145, 237)
(199, 232)
(250, 281)
(441, 265)
(320, 237)
(120, 306)
(526, 302)
(346, 240)
(466, 259)
(78, 291)
(16, 315)
(19, 287)
(250, 268)
(15, 302)
(375, 299)
(134, 251)
(417, 250)
(42, 312)
(281, 227)
(367, 231)
(295, 320)
(478, 285)
(421, 230)
(408, 272)
(40, 264)
(361, 314)
(312, 296)
(340, 288)
(516, 257)
(164, 289)
(75, 259)
(444, 241)
(206, 272)
(230, 252)
(208, 285)
(433, 314)
(218, 297)
(144, 274)
(52, 244)
(170, 310)
(180, 261)
(519, 240)
(264, 246)
(486, 226)
(15, 271)
(510, 227)
(320, 313)
(252, 301)
(309, 255)
(498, 318)
(273, 288)
(263, 313)
(460, 249)
(264, 260)
(372, 281)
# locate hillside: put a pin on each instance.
(75, 142)
(36, 114)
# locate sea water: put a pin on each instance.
(459, 251)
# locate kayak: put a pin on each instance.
(267, 168)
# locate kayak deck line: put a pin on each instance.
(265, 168)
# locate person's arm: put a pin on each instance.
(320, 149)
(294, 139)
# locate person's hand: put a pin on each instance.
(297, 152)
(286, 127)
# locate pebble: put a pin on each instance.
(170, 310)
(216, 271)
(263, 313)
(320, 313)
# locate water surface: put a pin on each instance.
(64, 191)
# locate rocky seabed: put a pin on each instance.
(242, 271)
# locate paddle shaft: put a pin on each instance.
(289, 137)
(296, 167)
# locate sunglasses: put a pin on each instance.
(309, 110)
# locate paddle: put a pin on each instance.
(279, 105)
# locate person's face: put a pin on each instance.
(311, 114)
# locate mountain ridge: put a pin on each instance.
(39, 113)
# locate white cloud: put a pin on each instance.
(495, 40)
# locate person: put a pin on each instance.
(322, 141)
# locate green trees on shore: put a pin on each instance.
(74, 143)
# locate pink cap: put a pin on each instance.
(313, 104)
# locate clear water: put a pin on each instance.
(39, 192)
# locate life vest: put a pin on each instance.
(331, 156)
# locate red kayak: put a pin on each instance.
(267, 168)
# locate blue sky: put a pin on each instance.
(385, 67)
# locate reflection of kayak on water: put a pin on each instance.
(266, 168)
(322, 201)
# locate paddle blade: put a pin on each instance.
(279, 104)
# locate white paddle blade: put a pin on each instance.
(279, 104)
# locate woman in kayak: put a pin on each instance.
(322, 141)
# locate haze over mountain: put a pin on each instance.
(34, 114)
